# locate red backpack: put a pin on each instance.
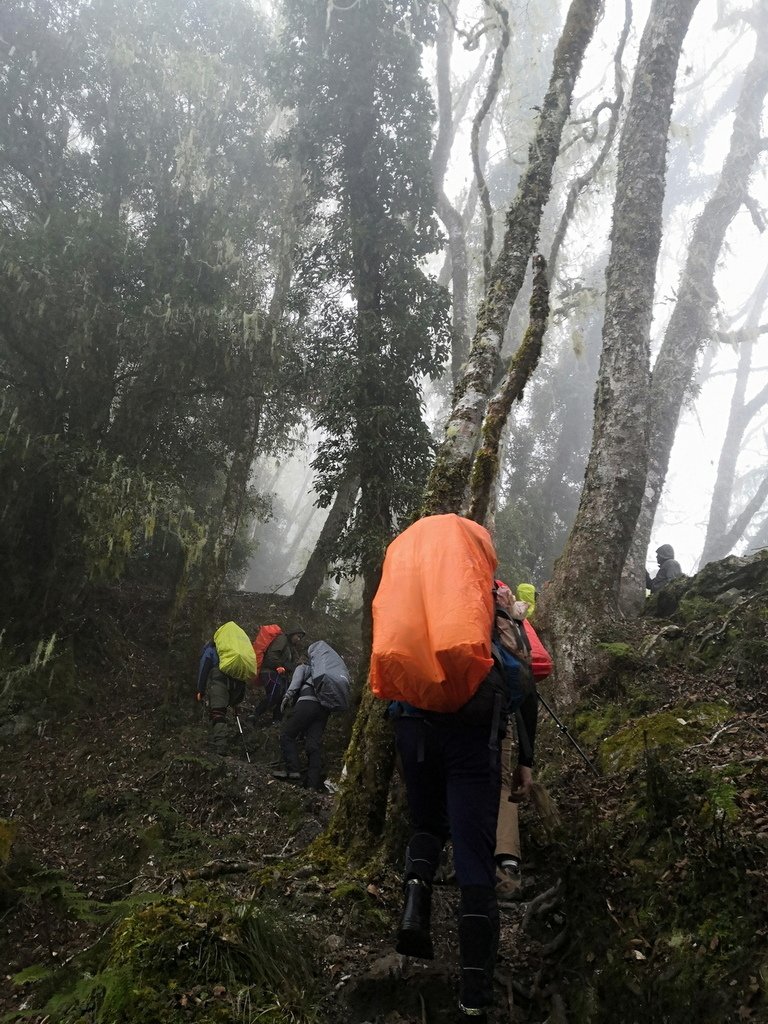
(262, 640)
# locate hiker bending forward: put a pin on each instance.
(317, 691)
(223, 692)
(449, 760)
(309, 719)
(280, 660)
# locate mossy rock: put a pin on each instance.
(671, 731)
(622, 655)
(594, 724)
(694, 607)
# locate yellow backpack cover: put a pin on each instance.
(235, 651)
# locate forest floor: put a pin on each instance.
(646, 903)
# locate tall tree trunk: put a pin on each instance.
(718, 540)
(759, 538)
(585, 586)
(486, 465)
(301, 525)
(361, 811)
(491, 92)
(365, 217)
(314, 574)
(449, 215)
(449, 479)
(689, 325)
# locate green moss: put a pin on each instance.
(446, 486)
(329, 857)
(690, 947)
(593, 725)
(179, 960)
(353, 891)
(668, 730)
(623, 653)
(358, 906)
(693, 607)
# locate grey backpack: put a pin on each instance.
(330, 676)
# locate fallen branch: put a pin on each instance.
(215, 868)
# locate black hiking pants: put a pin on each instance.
(308, 719)
(453, 782)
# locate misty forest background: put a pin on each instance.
(241, 266)
(278, 277)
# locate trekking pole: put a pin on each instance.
(566, 732)
(242, 737)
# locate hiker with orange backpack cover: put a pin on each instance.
(433, 618)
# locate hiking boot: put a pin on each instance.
(413, 938)
(508, 880)
(283, 773)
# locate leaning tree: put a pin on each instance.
(459, 480)
(584, 590)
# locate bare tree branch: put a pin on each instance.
(581, 182)
(519, 372)
(490, 95)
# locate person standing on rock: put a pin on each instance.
(669, 569)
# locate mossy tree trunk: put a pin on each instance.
(689, 325)
(522, 365)
(359, 820)
(449, 480)
(370, 758)
(491, 91)
(585, 586)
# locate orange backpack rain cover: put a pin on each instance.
(433, 614)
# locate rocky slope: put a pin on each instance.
(143, 880)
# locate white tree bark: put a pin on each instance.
(585, 587)
(689, 325)
(450, 477)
